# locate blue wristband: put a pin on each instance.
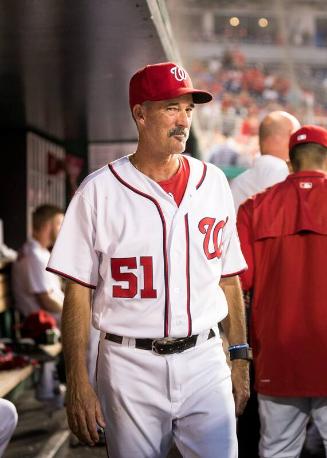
(240, 351)
(236, 347)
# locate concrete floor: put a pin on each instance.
(35, 426)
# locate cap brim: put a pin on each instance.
(201, 96)
(198, 96)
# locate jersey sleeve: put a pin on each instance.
(36, 274)
(245, 232)
(233, 260)
(73, 255)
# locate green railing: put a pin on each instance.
(232, 171)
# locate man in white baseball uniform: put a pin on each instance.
(270, 167)
(34, 288)
(154, 235)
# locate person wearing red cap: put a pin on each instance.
(154, 234)
(269, 167)
(283, 233)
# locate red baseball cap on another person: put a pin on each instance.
(163, 81)
(309, 134)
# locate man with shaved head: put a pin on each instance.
(271, 166)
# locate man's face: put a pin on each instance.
(56, 223)
(167, 123)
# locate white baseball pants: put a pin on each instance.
(92, 353)
(150, 400)
(8, 422)
(283, 424)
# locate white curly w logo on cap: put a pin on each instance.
(179, 73)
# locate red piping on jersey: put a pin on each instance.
(49, 269)
(188, 302)
(203, 175)
(164, 231)
(233, 274)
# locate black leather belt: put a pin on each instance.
(165, 346)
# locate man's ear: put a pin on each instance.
(138, 112)
(290, 167)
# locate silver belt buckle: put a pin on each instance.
(163, 341)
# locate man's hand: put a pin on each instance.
(83, 407)
(241, 384)
(84, 412)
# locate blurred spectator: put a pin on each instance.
(244, 93)
(224, 153)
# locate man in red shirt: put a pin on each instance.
(283, 233)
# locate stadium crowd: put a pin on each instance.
(243, 94)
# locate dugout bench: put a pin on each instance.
(14, 381)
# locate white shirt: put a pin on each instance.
(266, 171)
(29, 277)
(155, 267)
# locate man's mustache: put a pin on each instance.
(178, 131)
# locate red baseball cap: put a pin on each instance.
(309, 134)
(163, 81)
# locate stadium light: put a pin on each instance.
(234, 21)
(263, 22)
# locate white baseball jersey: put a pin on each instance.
(155, 267)
(29, 277)
(266, 171)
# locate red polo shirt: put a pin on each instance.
(283, 233)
